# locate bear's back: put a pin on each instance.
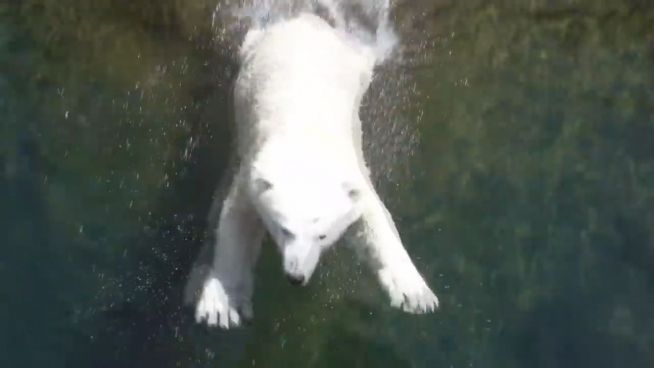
(302, 72)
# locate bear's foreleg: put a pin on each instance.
(226, 296)
(383, 249)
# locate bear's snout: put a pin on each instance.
(300, 260)
(296, 280)
(293, 272)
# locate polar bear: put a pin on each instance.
(301, 173)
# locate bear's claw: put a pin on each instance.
(216, 307)
(407, 290)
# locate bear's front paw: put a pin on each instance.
(408, 290)
(217, 307)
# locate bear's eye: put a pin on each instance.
(322, 236)
(287, 233)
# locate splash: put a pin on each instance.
(364, 21)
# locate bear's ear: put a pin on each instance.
(352, 191)
(261, 185)
(257, 182)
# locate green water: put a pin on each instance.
(527, 201)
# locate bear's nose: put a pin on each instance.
(295, 279)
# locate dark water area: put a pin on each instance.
(526, 198)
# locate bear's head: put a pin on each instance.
(305, 212)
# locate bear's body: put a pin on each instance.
(301, 173)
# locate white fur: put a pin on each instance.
(302, 174)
